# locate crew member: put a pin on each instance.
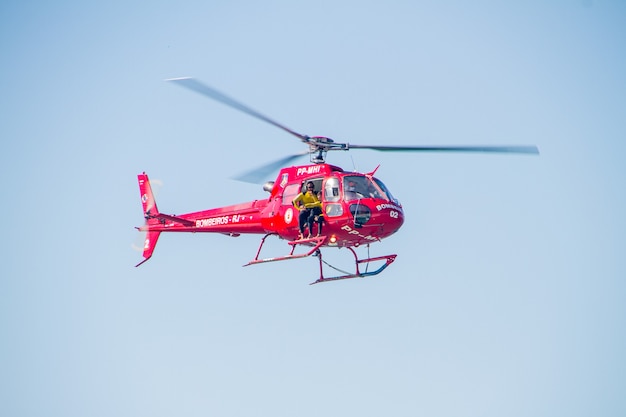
(309, 206)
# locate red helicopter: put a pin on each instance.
(357, 208)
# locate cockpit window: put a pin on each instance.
(357, 186)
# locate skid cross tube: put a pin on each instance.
(314, 242)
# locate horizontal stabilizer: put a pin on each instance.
(180, 220)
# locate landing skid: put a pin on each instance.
(357, 274)
(316, 243)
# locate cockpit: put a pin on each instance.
(342, 192)
(351, 189)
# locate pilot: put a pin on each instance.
(350, 191)
(310, 208)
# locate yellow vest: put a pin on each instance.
(308, 199)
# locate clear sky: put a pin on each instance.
(508, 294)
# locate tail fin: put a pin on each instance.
(150, 210)
(147, 198)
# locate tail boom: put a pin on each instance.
(234, 220)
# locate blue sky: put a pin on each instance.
(507, 296)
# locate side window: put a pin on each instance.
(291, 191)
(331, 190)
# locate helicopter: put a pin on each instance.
(358, 209)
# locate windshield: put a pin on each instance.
(385, 190)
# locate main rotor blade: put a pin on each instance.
(530, 149)
(198, 87)
(262, 173)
